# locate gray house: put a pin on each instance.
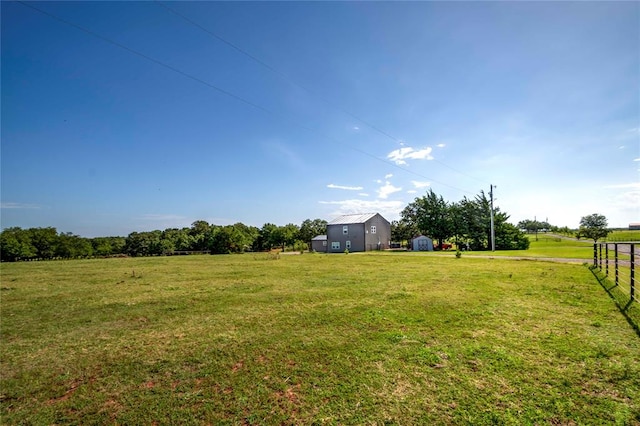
(319, 243)
(358, 232)
(422, 243)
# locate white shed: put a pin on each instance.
(422, 243)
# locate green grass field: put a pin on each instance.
(381, 338)
(556, 246)
(549, 246)
(624, 236)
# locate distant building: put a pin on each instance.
(358, 232)
(634, 227)
(319, 243)
(422, 243)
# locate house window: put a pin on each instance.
(348, 245)
(345, 230)
(335, 245)
(324, 244)
(373, 229)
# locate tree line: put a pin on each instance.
(466, 222)
(593, 226)
(533, 226)
(46, 243)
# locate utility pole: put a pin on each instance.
(493, 233)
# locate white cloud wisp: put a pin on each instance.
(346, 188)
(418, 184)
(389, 209)
(387, 189)
(399, 156)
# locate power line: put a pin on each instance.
(225, 92)
(272, 69)
(295, 83)
(142, 55)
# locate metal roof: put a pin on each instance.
(319, 238)
(352, 218)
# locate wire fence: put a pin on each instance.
(618, 262)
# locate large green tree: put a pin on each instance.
(402, 231)
(532, 226)
(231, 238)
(509, 237)
(44, 241)
(248, 234)
(200, 232)
(468, 221)
(290, 234)
(179, 239)
(268, 237)
(69, 246)
(312, 228)
(594, 226)
(107, 246)
(430, 216)
(222, 238)
(15, 244)
(145, 244)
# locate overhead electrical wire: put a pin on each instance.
(295, 83)
(274, 70)
(226, 92)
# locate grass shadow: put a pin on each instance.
(626, 307)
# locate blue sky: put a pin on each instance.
(125, 116)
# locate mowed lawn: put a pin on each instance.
(549, 246)
(381, 338)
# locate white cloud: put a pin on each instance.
(390, 175)
(633, 185)
(399, 156)
(348, 188)
(389, 209)
(378, 181)
(412, 191)
(19, 206)
(363, 194)
(387, 189)
(636, 159)
(419, 184)
(625, 201)
(441, 145)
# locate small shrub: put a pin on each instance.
(300, 246)
(458, 254)
(346, 251)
